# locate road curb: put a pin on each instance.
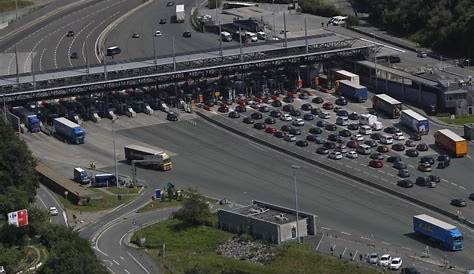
(338, 171)
(383, 39)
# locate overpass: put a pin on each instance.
(175, 69)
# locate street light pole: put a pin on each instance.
(174, 56)
(375, 68)
(115, 154)
(295, 168)
(154, 50)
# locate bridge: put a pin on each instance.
(176, 69)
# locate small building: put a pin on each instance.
(469, 132)
(269, 222)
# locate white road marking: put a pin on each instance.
(55, 55)
(139, 264)
(461, 187)
(123, 236)
(74, 40)
(453, 184)
(96, 248)
(116, 262)
(380, 44)
(319, 243)
(123, 259)
(41, 200)
(346, 233)
(325, 228)
(128, 272)
(41, 59)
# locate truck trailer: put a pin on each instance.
(68, 131)
(447, 235)
(450, 141)
(104, 180)
(161, 159)
(346, 75)
(353, 91)
(415, 121)
(28, 118)
(370, 120)
(180, 14)
(387, 105)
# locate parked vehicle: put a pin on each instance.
(364, 149)
(180, 13)
(104, 179)
(386, 104)
(346, 75)
(81, 176)
(342, 121)
(452, 142)
(353, 91)
(447, 235)
(414, 121)
(365, 130)
(161, 159)
(28, 118)
(386, 139)
(68, 131)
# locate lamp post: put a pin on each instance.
(295, 168)
(154, 50)
(375, 67)
(115, 154)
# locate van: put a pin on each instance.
(342, 121)
(261, 35)
(365, 130)
(252, 36)
(226, 36)
(364, 149)
(386, 139)
(338, 20)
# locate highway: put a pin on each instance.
(45, 199)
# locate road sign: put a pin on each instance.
(18, 218)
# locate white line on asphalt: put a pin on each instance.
(123, 236)
(123, 259)
(326, 228)
(96, 248)
(116, 262)
(353, 257)
(385, 243)
(365, 238)
(128, 272)
(74, 40)
(41, 200)
(345, 248)
(461, 187)
(319, 243)
(41, 59)
(55, 55)
(57, 204)
(111, 271)
(133, 258)
(345, 233)
(453, 184)
(380, 44)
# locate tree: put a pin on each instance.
(195, 210)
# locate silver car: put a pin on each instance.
(373, 258)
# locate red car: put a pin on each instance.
(271, 130)
(258, 99)
(352, 144)
(275, 97)
(223, 109)
(291, 94)
(376, 163)
(328, 106)
(206, 107)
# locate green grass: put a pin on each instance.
(158, 204)
(124, 190)
(108, 201)
(187, 248)
(9, 5)
(458, 120)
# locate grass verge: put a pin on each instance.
(9, 5)
(191, 248)
(458, 120)
(158, 204)
(124, 190)
(108, 201)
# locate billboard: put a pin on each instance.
(18, 218)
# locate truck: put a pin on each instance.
(161, 159)
(68, 131)
(81, 176)
(386, 104)
(104, 179)
(447, 235)
(353, 91)
(180, 14)
(452, 142)
(370, 120)
(414, 121)
(346, 75)
(28, 118)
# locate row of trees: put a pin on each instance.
(67, 252)
(444, 25)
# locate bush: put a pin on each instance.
(195, 210)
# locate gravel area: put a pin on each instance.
(252, 251)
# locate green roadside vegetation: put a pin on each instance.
(9, 5)
(124, 190)
(458, 120)
(319, 7)
(159, 204)
(107, 202)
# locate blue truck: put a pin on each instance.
(353, 91)
(414, 121)
(28, 118)
(104, 179)
(68, 131)
(447, 235)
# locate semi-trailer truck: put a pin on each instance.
(68, 131)
(370, 120)
(387, 105)
(414, 121)
(160, 159)
(28, 118)
(353, 91)
(447, 235)
(452, 142)
(180, 14)
(346, 75)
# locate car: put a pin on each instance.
(317, 100)
(352, 154)
(298, 122)
(422, 147)
(330, 127)
(170, 3)
(458, 202)
(434, 178)
(427, 159)
(400, 165)
(342, 149)
(375, 136)
(353, 144)
(336, 109)
(171, 116)
(328, 106)
(254, 105)
(382, 149)
(275, 114)
(288, 108)
(276, 103)
(271, 130)
(311, 137)
(409, 270)
(357, 137)
(286, 117)
(270, 120)
(345, 133)
(285, 128)
(186, 34)
(394, 159)
(306, 107)
(410, 143)
(376, 163)
(259, 126)
(53, 211)
(396, 263)
(403, 173)
(398, 136)
(74, 55)
(335, 155)
(223, 109)
(353, 116)
(391, 130)
(340, 140)
(264, 109)
(295, 131)
(70, 33)
(370, 143)
(302, 143)
(316, 111)
(341, 101)
(288, 99)
(248, 120)
(443, 158)
(157, 33)
(330, 145)
(411, 153)
(415, 137)
(422, 181)
(289, 138)
(398, 147)
(320, 141)
(303, 96)
(279, 134)
(136, 35)
(406, 183)
(162, 21)
(471, 196)
(308, 117)
(322, 151)
(295, 113)
(256, 116)
(353, 126)
(234, 114)
(332, 137)
(315, 130)
(377, 156)
(322, 123)
(240, 108)
(342, 113)
(372, 258)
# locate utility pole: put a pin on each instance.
(87, 57)
(295, 168)
(240, 44)
(220, 40)
(306, 35)
(16, 65)
(174, 55)
(284, 29)
(16, 9)
(115, 154)
(155, 61)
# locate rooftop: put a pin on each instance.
(266, 214)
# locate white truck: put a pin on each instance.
(180, 14)
(370, 120)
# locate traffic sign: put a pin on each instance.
(18, 218)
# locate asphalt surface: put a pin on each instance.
(45, 199)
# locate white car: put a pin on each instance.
(398, 136)
(357, 137)
(335, 155)
(298, 122)
(53, 211)
(352, 155)
(385, 260)
(290, 138)
(396, 263)
(324, 115)
(286, 117)
(157, 33)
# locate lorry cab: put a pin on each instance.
(365, 130)
(81, 176)
(386, 139)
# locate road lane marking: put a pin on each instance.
(123, 236)
(139, 264)
(346, 233)
(123, 259)
(96, 248)
(326, 228)
(461, 187)
(74, 40)
(41, 59)
(319, 243)
(345, 248)
(55, 54)
(116, 262)
(128, 272)
(41, 200)
(380, 44)
(453, 184)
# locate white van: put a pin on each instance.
(252, 36)
(226, 36)
(261, 35)
(365, 130)
(363, 149)
(386, 139)
(338, 20)
(342, 121)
